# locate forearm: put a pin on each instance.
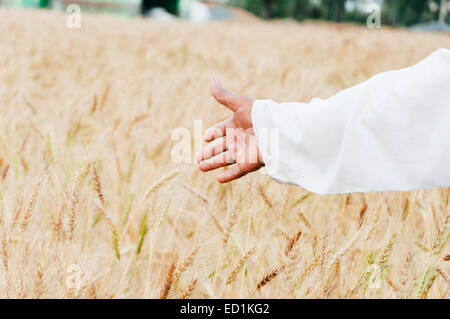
(389, 133)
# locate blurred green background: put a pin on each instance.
(393, 12)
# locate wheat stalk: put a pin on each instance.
(131, 167)
(348, 199)
(387, 252)
(185, 294)
(292, 241)
(115, 242)
(39, 289)
(5, 244)
(114, 233)
(447, 197)
(123, 123)
(341, 252)
(143, 229)
(232, 220)
(196, 193)
(270, 276)
(92, 291)
(263, 195)
(72, 212)
(240, 265)
(153, 188)
(404, 273)
(362, 214)
(304, 220)
(185, 264)
(168, 282)
(29, 207)
(98, 184)
(58, 221)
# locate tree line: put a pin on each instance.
(393, 12)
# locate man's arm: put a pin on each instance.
(390, 133)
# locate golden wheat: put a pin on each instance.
(92, 205)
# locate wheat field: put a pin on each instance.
(92, 206)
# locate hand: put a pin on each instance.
(233, 141)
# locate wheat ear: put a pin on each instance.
(185, 264)
(270, 276)
(154, 187)
(196, 193)
(240, 265)
(387, 252)
(264, 196)
(72, 214)
(29, 206)
(232, 220)
(98, 184)
(168, 282)
(292, 241)
(188, 292)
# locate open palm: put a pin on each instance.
(233, 141)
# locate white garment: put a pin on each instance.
(390, 133)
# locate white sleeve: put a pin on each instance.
(390, 133)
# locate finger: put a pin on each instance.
(221, 160)
(216, 147)
(231, 174)
(229, 99)
(218, 130)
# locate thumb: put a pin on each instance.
(229, 99)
